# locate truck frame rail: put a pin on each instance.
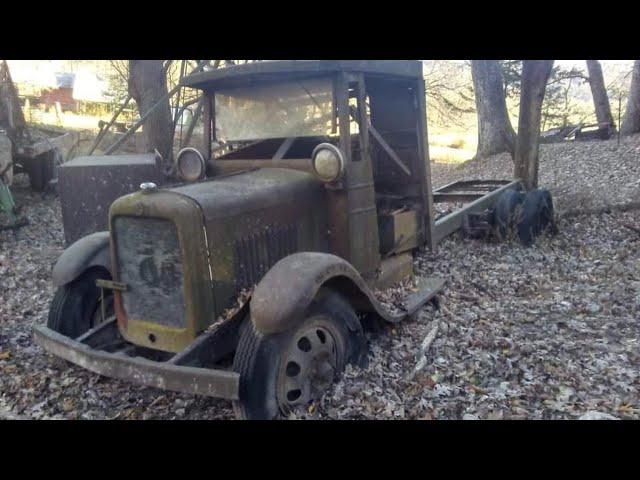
(478, 195)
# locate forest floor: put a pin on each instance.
(550, 331)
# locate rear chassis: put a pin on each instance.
(478, 197)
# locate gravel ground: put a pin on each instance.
(546, 332)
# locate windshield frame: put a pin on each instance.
(209, 112)
(326, 104)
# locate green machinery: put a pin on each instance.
(7, 204)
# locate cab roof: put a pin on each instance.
(284, 70)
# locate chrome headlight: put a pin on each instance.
(328, 162)
(190, 165)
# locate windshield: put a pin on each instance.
(301, 108)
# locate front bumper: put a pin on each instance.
(164, 375)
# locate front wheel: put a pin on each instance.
(282, 371)
(76, 307)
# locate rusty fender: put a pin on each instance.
(89, 251)
(281, 298)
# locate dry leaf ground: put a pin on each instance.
(546, 332)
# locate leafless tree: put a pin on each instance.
(449, 92)
(631, 119)
(535, 74)
(599, 93)
(495, 133)
(147, 86)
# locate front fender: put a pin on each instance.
(89, 251)
(281, 298)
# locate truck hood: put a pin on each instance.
(244, 192)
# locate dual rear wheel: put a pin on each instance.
(527, 215)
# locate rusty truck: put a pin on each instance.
(253, 277)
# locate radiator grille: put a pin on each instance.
(148, 260)
(256, 253)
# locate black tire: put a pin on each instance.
(259, 358)
(41, 170)
(505, 213)
(547, 215)
(74, 306)
(537, 216)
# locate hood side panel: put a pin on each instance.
(255, 218)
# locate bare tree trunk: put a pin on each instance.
(599, 93)
(11, 115)
(147, 86)
(535, 74)
(631, 119)
(495, 133)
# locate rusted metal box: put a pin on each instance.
(398, 231)
(89, 185)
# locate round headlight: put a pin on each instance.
(190, 165)
(328, 162)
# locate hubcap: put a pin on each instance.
(308, 367)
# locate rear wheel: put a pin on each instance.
(76, 307)
(283, 371)
(506, 213)
(547, 213)
(537, 216)
(41, 170)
